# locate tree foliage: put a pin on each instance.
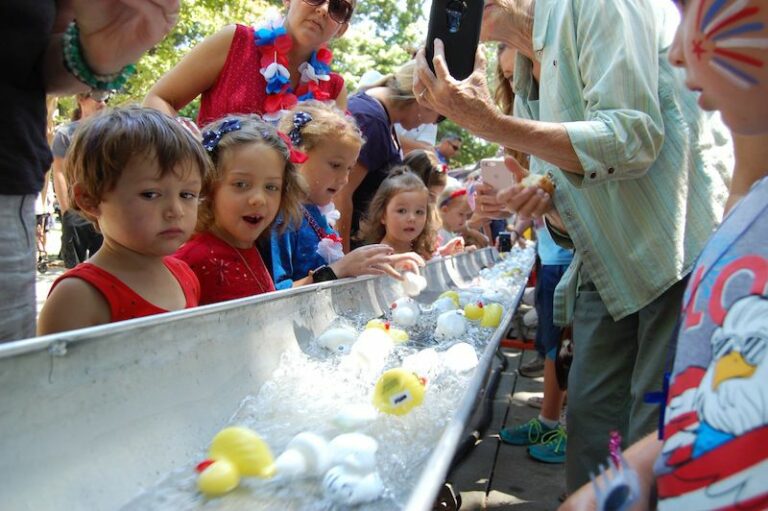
(383, 35)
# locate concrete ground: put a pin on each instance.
(56, 267)
(495, 475)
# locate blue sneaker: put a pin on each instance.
(552, 447)
(530, 433)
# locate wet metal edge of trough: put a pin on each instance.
(89, 418)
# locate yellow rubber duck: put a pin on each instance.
(474, 311)
(397, 335)
(398, 391)
(376, 323)
(492, 314)
(235, 452)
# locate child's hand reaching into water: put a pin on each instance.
(376, 259)
(454, 246)
(408, 261)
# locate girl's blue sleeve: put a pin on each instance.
(282, 258)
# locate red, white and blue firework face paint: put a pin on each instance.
(731, 27)
(723, 44)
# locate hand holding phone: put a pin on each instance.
(496, 174)
(457, 24)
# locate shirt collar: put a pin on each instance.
(541, 11)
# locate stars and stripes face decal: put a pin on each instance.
(727, 27)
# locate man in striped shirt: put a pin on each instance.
(640, 176)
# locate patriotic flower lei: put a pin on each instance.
(275, 43)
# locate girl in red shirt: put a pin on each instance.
(254, 180)
(137, 175)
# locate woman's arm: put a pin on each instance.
(341, 99)
(112, 35)
(196, 73)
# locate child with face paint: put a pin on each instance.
(712, 452)
(263, 70)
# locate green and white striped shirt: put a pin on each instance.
(656, 168)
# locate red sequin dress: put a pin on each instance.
(240, 87)
(124, 302)
(225, 272)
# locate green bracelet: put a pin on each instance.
(76, 64)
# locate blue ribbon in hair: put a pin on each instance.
(211, 138)
(300, 119)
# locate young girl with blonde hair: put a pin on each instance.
(254, 180)
(313, 252)
(400, 215)
(138, 176)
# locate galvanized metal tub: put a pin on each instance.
(89, 418)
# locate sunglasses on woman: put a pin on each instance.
(340, 11)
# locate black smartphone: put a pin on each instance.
(505, 242)
(457, 24)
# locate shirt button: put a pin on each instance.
(593, 175)
(554, 63)
(610, 170)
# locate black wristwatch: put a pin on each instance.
(323, 274)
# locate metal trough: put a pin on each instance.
(89, 418)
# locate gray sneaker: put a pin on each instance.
(533, 369)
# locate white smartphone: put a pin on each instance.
(496, 174)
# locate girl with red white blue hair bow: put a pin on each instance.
(264, 70)
(254, 180)
(312, 252)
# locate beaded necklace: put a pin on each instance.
(275, 43)
(330, 247)
(259, 285)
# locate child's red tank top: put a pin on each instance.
(240, 87)
(124, 302)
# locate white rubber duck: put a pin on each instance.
(307, 454)
(413, 284)
(424, 362)
(460, 357)
(405, 312)
(338, 340)
(355, 450)
(371, 349)
(357, 416)
(444, 304)
(450, 325)
(347, 486)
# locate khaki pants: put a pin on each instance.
(615, 364)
